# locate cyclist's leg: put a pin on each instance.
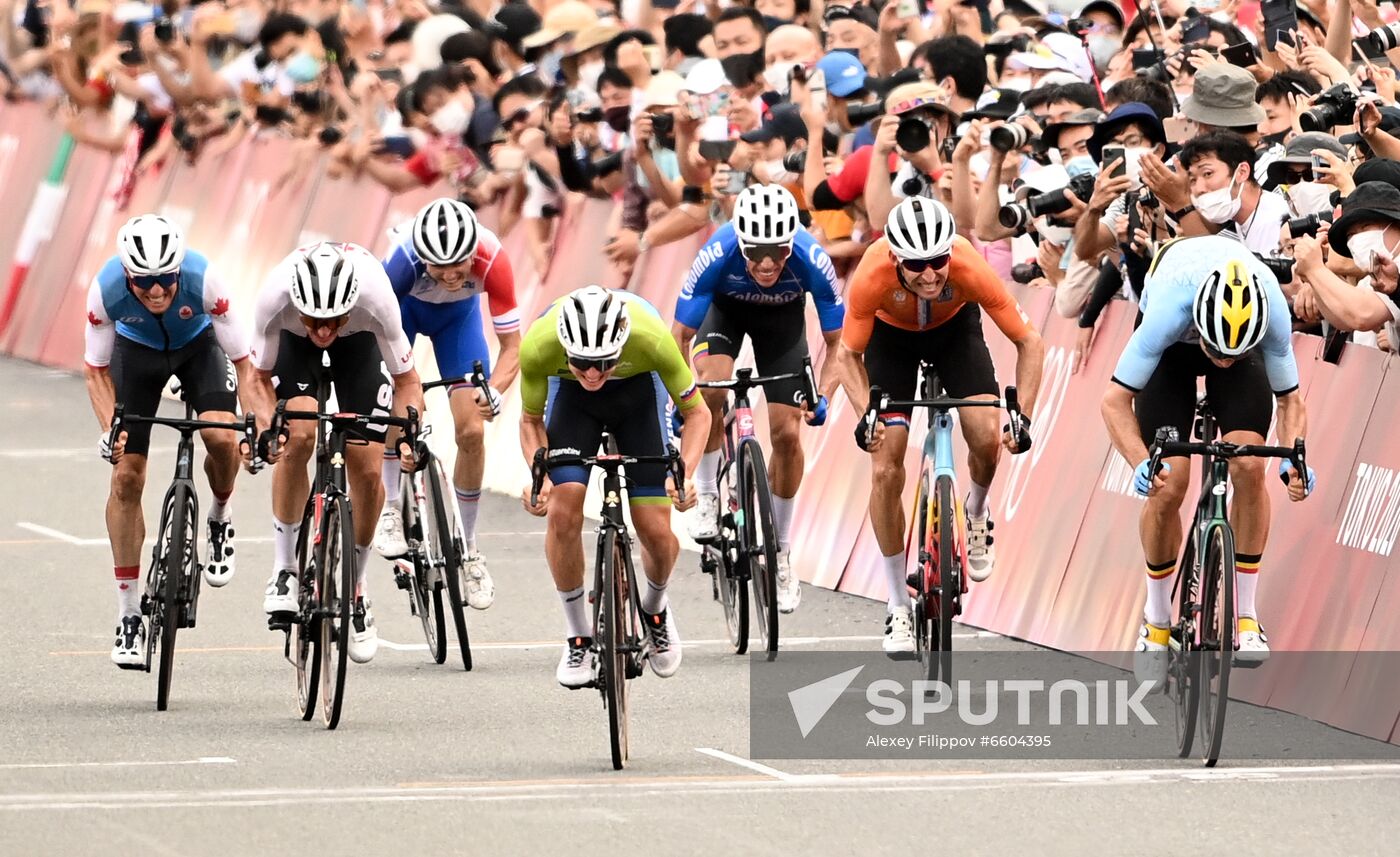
(138, 377)
(295, 378)
(1168, 399)
(892, 362)
(779, 337)
(1241, 399)
(210, 383)
(958, 352)
(363, 386)
(717, 344)
(458, 342)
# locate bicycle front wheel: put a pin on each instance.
(1181, 664)
(167, 612)
(1218, 638)
(925, 553)
(425, 581)
(303, 635)
(611, 630)
(336, 568)
(759, 546)
(949, 582)
(448, 545)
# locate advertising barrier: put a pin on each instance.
(1069, 565)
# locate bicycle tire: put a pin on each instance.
(173, 558)
(759, 546)
(949, 541)
(1181, 673)
(733, 592)
(1217, 621)
(924, 553)
(611, 631)
(424, 588)
(446, 530)
(337, 559)
(303, 635)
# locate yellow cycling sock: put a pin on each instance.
(1160, 636)
(1248, 623)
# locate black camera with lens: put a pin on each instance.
(1026, 272)
(1280, 267)
(608, 164)
(1018, 215)
(1330, 108)
(330, 135)
(859, 114)
(663, 124)
(913, 134)
(1307, 225)
(165, 30)
(1009, 137)
(795, 162)
(590, 116)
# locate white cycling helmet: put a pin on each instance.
(323, 282)
(150, 245)
(765, 214)
(1231, 309)
(920, 228)
(593, 323)
(445, 232)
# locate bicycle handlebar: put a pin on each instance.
(120, 420)
(744, 380)
(542, 463)
(270, 441)
(879, 401)
(476, 379)
(1167, 444)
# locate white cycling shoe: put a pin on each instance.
(478, 589)
(389, 540)
(577, 663)
(1150, 657)
(218, 571)
(981, 556)
(789, 587)
(1253, 646)
(281, 595)
(665, 652)
(364, 637)
(129, 651)
(704, 520)
(899, 632)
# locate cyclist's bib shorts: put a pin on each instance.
(778, 334)
(1240, 396)
(955, 349)
(207, 378)
(454, 328)
(631, 409)
(361, 381)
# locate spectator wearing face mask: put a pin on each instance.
(1292, 174)
(1137, 128)
(443, 98)
(687, 39)
(778, 13)
(917, 120)
(1283, 98)
(1367, 231)
(472, 52)
(1220, 168)
(957, 64)
(276, 66)
(739, 45)
(1222, 97)
(651, 171)
(583, 61)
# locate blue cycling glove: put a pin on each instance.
(1142, 480)
(1285, 467)
(817, 415)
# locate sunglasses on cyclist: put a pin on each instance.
(336, 323)
(918, 266)
(756, 253)
(603, 364)
(145, 283)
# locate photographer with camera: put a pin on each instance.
(1135, 131)
(1368, 232)
(916, 121)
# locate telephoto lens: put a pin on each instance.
(859, 114)
(1330, 108)
(795, 162)
(913, 134)
(1385, 38)
(1026, 272)
(1008, 138)
(1015, 216)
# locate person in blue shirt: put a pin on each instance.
(155, 310)
(752, 279)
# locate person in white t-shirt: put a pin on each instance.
(1224, 191)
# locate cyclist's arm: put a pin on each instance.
(859, 324)
(850, 369)
(99, 337)
(1292, 418)
(532, 436)
(680, 383)
(699, 287)
(1163, 323)
(1122, 423)
(505, 320)
(973, 273)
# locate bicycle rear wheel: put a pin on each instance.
(610, 623)
(733, 591)
(949, 582)
(759, 545)
(1181, 671)
(303, 635)
(337, 572)
(447, 545)
(424, 584)
(1218, 636)
(924, 553)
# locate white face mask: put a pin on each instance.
(1020, 84)
(1132, 162)
(1310, 198)
(588, 75)
(775, 76)
(1367, 248)
(777, 173)
(1057, 235)
(1218, 206)
(451, 118)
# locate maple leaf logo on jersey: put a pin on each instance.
(186, 312)
(93, 319)
(220, 307)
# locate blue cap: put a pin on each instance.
(844, 73)
(1133, 111)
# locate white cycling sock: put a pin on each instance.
(389, 473)
(128, 590)
(575, 613)
(1246, 583)
(782, 519)
(707, 476)
(468, 503)
(654, 597)
(361, 564)
(895, 578)
(977, 501)
(219, 509)
(284, 544)
(1159, 593)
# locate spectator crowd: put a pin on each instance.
(1069, 141)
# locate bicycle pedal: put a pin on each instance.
(1246, 664)
(281, 621)
(140, 667)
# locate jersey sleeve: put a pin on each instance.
(674, 370)
(1163, 324)
(378, 300)
(1277, 347)
(227, 327)
(498, 281)
(99, 331)
(972, 273)
(267, 318)
(863, 299)
(401, 270)
(534, 369)
(819, 280)
(703, 280)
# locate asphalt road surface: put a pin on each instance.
(501, 760)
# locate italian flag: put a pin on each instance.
(38, 226)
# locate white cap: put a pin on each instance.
(706, 77)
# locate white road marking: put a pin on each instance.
(71, 539)
(552, 644)
(202, 760)
(746, 763)
(645, 787)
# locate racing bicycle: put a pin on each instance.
(1198, 668)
